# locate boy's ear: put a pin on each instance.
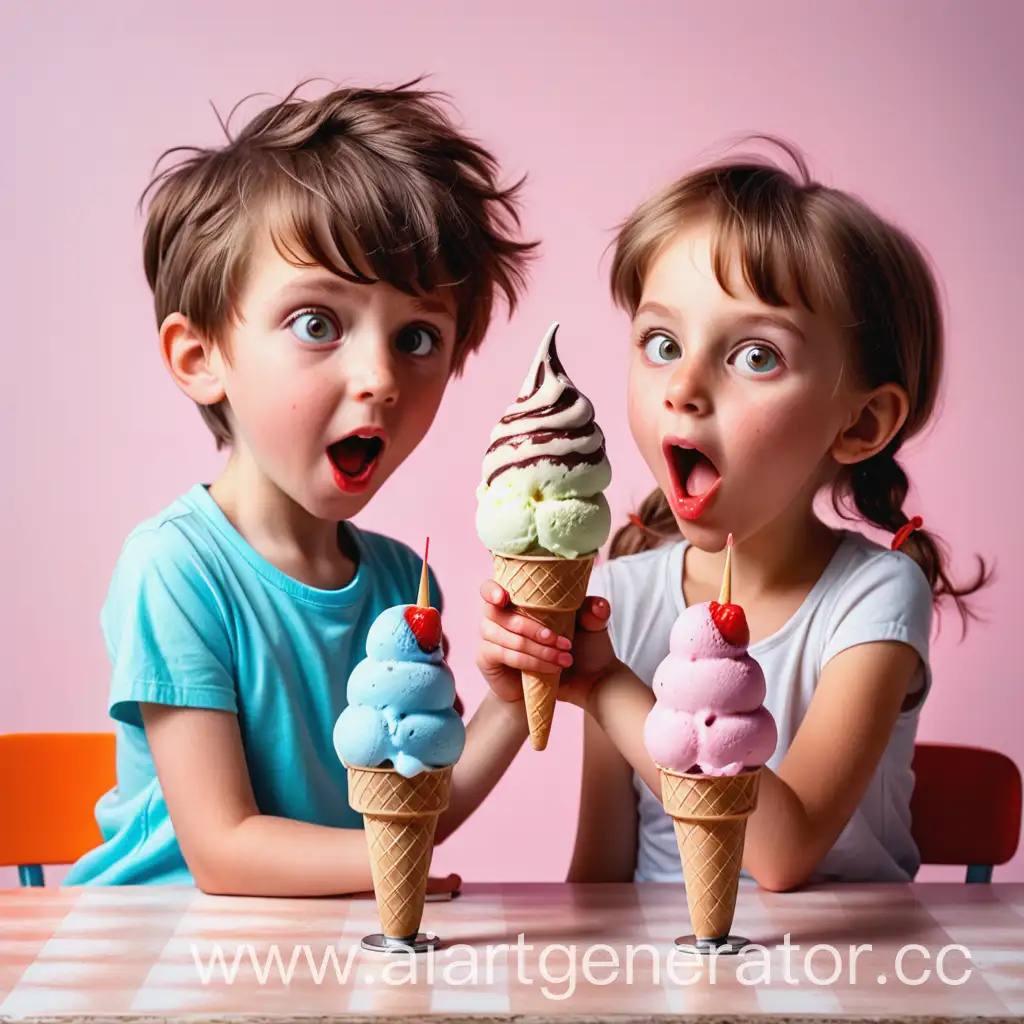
(874, 422)
(195, 364)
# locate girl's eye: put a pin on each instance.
(416, 341)
(660, 348)
(314, 329)
(756, 360)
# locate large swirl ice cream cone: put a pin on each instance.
(550, 590)
(542, 511)
(398, 739)
(710, 735)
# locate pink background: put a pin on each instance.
(914, 105)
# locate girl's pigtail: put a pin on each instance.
(878, 488)
(649, 527)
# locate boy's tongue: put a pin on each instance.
(701, 478)
(351, 454)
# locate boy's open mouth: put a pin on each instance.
(354, 459)
(695, 478)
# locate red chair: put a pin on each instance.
(966, 807)
(49, 785)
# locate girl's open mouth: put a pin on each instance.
(695, 478)
(354, 459)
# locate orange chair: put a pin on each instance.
(49, 785)
(966, 807)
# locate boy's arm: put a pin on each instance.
(229, 846)
(494, 736)
(620, 702)
(602, 853)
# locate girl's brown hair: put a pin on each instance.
(800, 242)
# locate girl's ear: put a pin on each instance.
(874, 422)
(196, 365)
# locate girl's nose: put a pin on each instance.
(688, 389)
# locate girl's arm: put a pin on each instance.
(229, 846)
(803, 808)
(494, 736)
(606, 832)
(826, 771)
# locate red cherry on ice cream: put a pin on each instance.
(425, 624)
(731, 623)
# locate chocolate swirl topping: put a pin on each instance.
(550, 421)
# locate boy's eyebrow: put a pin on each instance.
(320, 280)
(327, 281)
(431, 306)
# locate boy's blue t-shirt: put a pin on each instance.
(196, 618)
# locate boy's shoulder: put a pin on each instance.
(178, 534)
(190, 547)
(170, 557)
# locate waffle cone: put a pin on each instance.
(551, 591)
(400, 818)
(710, 815)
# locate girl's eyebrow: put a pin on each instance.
(773, 320)
(748, 319)
(657, 309)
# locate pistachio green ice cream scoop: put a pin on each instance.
(546, 470)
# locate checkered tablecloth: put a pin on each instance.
(508, 950)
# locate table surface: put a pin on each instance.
(586, 952)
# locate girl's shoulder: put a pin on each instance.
(866, 572)
(872, 593)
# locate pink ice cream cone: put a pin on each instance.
(710, 735)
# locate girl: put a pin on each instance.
(785, 341)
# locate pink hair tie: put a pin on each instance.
(905, 531)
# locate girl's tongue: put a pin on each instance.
(701, 478)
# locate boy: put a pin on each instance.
(317, 282)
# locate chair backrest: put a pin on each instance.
(49, 785)
(966, 807)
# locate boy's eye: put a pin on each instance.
(756, 360)
(660, 348)
(314, 328)
(416, 341)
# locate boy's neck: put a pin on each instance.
(280, 530)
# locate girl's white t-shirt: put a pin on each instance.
(866, 593)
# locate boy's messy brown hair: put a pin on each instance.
(799, 242)
(382, 176)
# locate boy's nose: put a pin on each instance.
(371, 378)
(688, 389)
